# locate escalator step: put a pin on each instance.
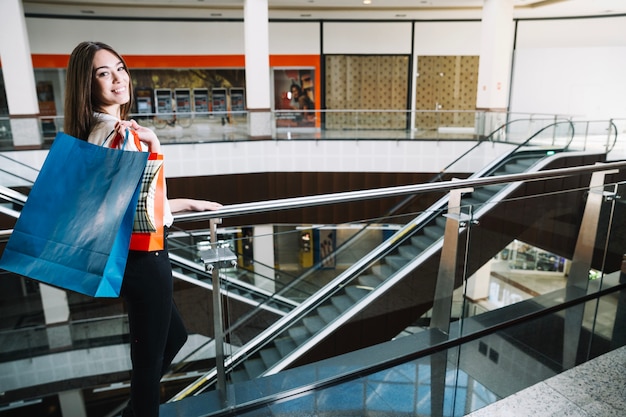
(369, 281)
(469, 201)
(254, 367)
(482, 195)
(434, 232)
(422, 241)
(493, 188)
(313, 323)
(527, 162)
(383, 271)
(409, 251)
(514, 168)
(299, 334)
(356, 293)
(342, 302)
(441, 221)
(270, 357)
(396, 261)
(239, 376)
(328, 313)
(285, 346)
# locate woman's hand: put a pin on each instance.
(178, 205)
(144, 134)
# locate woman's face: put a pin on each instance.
(111, 87)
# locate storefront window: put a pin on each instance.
(522, 256)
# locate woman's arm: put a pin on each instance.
(178, 205)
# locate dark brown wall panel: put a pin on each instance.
(245, 188)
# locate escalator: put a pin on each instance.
(393, 286)
(236, 289)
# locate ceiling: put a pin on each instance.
(322, 9)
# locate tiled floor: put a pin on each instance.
(594, 389)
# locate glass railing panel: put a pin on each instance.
(531, 257)
(601, 135)
(196, 126)
(199, 127)
(454, 382)
(16, 174)
(93, 326)
(345, 289)
(446, 124)
(519, 128)
(318, 255)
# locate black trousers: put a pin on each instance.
(157, 331)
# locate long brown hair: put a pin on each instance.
(80, 103)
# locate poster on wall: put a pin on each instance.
(294, 93)
(45, 99)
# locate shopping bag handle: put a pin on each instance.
(109, 136)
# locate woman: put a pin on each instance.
(301, 101)
(97, 104)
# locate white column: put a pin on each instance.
(256, 38)
(56, 313)
(263, 250)
(478, 283)
(19, 78)
(72, 404)
(494, 68)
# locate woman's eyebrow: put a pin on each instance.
(106, 66)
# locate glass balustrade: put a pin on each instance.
(200, 127)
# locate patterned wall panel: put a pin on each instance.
(366, 83)
(445, 87)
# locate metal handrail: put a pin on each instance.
(235, 210)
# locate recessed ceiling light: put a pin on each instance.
(367, 1)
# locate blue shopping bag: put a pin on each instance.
(74, 230)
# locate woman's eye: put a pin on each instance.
(103, 74)
(123, 69)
